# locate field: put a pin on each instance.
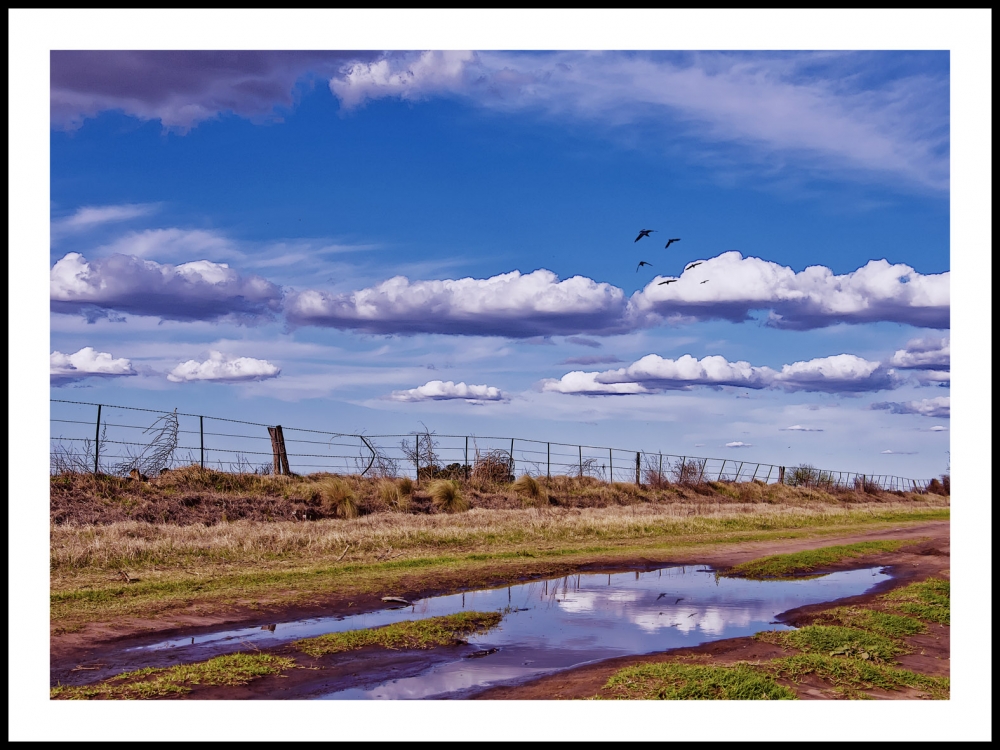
(194, 548)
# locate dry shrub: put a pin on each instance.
(528, 490)
(390, 494)
(447, 496)
(492, 467)
(406, 486)
(338, 497)
(940, 486)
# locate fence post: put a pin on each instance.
(548, 460)
(512, 456)
(201, 434)
(97, 441)
(770, 467)
(416, 453)
(276, 466)
(580, 447)
(659, 471)
(611, 467)
(738, 472)
(704, 463)
(637, 476)
(755, 470)
(781, 475)
(722, 469)
(466, 458)
(282, 453)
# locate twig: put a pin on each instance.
(343, 553)
(251, 645)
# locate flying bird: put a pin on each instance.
(660, 597)
(689, 266)
(644, 233)
(641, 264)
(675, 239)
(668, 281)
(705, 281)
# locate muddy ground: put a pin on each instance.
(71, 653)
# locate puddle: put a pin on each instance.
(549, 626)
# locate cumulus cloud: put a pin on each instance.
(800, 428)
(843, 373)
(794, 103)
(181, 88)
(437, 390)
(812, 298)
(928, 407)
(86, 363)
(512, 304)
(220, 368)
(928, 353)
(200, 290)
(738, 444)
(935, 377)
(89, 217)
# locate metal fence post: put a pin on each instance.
(512, 456)
(416, 453)
(201, 434)
(97, 441)
(701, 474)
(769, 468)
(738, 472)
(755, 470)
(721, 470)
(611, 467)
(580, 448)
(548, 460)
(467, 457)
(637, 477)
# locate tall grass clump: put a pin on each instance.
(447, 496)
(390, 494)
(406, 486)
(528, 489)
(338, 497)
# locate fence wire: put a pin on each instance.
(117, 440)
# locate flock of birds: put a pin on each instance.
(688, 267)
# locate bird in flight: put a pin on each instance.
(641, 264)
(644, 233)
(689, 266)
(675, 239)
(668, 281)
(705, 281)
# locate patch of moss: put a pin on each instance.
(672, 681)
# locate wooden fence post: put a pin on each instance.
(283, 454)
(278, 451)
(781, 475)
(97, 442)
(276, 465)
(638, 483)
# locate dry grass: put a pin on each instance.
(529, 491)
(338, 497)
(446, 494)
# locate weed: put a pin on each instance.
(836, 640)
(406, 486)
(671, 681)
(410, 634)
(528, 489)
(338, 497)
(853, 675)
(390, 495)
(783, 566)
(232, 669)
(447, 496)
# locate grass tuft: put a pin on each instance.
(928, 600)
(851, 676)
(671, 681)
(795, 563)
(528, 490)
(406, 486)
(338, 497)
(835, 640)
(883, 623)
(391, 495)
(446, 495)
(143, 684)
(411, 634)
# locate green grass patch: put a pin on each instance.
(836, 640)
(883, 623)
(795, 563)
(671, 681)
(850, 676)
(928, 600)
(143, 684)
(411, 634)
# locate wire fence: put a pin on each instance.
(123, 440)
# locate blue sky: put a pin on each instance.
(346, 238)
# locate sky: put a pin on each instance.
(377, 241)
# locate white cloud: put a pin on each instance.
(934, 377)
(738, 444)
(928, 407)
(88, 217)
(899, 453)
(86, 363)
(171, 243)
(800, 428)
(938, 428)
(437, 390)
(812, 298)
(804, 105)
(929, 353)
(200, 290)
(843, 373)
(220, 368)
(511, 304)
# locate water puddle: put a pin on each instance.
(553, 625)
